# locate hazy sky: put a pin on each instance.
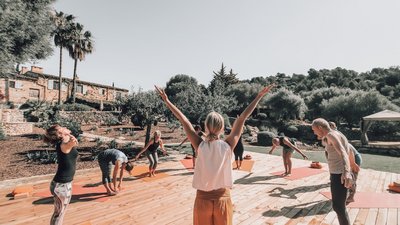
(146, 42)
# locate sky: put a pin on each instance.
(142, 43)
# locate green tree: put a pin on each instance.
(244, 93)
(146, 106)
(62, 39)
(25, 32)
(222, 79)
(285, 105)
(351, 108)
(82, 44)
(314, 99)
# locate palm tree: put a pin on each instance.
(62, 38)
(82, 44)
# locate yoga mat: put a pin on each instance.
(372, 200)
(140, 171)
(81, 193)
(300, 172)
(187, 163)
(157, 177)
(247, 165)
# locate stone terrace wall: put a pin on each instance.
(91, 117)
(14, 123)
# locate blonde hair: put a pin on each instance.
(332, 125)
(320, 122)
(157, 133)
(214, 125)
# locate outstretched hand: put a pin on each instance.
(161, 92)
(265, 90)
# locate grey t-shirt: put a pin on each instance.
(112, 155)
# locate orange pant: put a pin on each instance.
(213, 207)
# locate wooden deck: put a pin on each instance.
(259, 198)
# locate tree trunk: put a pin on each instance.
(148, 130)
(74, 82)
(60, 78)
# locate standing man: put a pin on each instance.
(339, 166)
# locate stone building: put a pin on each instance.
(35, 85)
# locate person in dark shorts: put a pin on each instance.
(200, 133)
(115, 157)
(289, 146)
(61, 185)
(238, 151)
(151, 152)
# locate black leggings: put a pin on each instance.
(339, 195)
(238, 153)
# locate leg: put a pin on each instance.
(155, 156)
(203, 212)
(105, 173)
(62, 193)
(339, 194)
(352, 190)
(284, 162)
(223, 211)
(152, 162)
(289, 162)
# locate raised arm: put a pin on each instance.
(237, 127)
(187, 126)
(67, 146)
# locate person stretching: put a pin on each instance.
(151, 153)
(61, 185)
(289, 146)
(213, 172)
(115, 157)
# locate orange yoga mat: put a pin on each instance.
(300, 172)
(143, 172)
(81, 193)
(372, 200)
(247, 165)
(187, 163)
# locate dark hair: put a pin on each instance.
(52, 136)
(129, 166)
(197, 127)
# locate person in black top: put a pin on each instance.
(238, 151)
(200, 133)
(115, 157)
(61, 185)
(289, 146)
(151, 153)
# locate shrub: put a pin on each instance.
(113, 144)
(43, 157)
(264, 138)
(76, 107)
(262, 116)
(111, 121)
(72, 125)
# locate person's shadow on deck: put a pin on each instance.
(256, 179)
(75, 198)
(296, 211)
(291, 193)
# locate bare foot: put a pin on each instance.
(283, 174)
(111, 193)
(288, 174)
(150, 174)
(238, 168)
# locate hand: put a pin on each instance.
(265, 90)
(270, 152)
(347, 180)
(305, 157)
(119, 188)
(165, 153)
(355, 168)
(136, 158)
(161, 92)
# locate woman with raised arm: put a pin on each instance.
(61, 185)
(213, 172)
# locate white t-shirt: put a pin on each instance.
(213, 166)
